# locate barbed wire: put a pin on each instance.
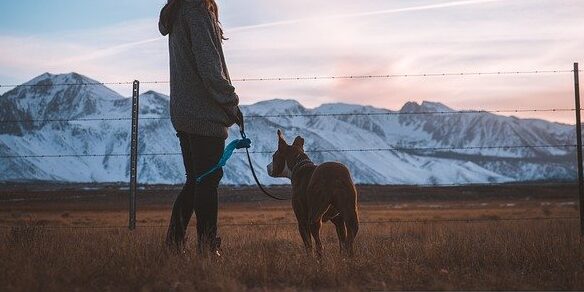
(394, 113)
(482, 184)
(391, 149)
(435, 148)
(298, 78)
(253, 224)
(68, 84)
(64, 120)
(413, 113)
(309, 151)
(255, 116)
(383, 76)
(67, 198)
(120, 187)
(65, 155)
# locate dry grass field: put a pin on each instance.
(46, 243)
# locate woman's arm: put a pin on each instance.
(209, 61)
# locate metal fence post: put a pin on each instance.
(134, 154)
(579, 150)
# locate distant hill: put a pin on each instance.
(321, 132)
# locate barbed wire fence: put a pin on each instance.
(135, 118)
(304, 78)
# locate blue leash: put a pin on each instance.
(227, 153)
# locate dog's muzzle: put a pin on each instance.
(270, 169)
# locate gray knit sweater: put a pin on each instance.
(201, 94)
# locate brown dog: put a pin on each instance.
(319, 193)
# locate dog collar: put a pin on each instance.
(300, 164)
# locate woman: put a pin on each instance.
(203, 104)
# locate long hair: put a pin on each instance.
(214, 10)
(169, 12)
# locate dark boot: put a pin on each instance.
(216, 247)
(210, 248)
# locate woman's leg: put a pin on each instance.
(200, 154)
(206, 153)
(184, 203)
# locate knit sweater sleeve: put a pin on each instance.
(209, 61)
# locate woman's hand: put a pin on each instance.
(236, 116)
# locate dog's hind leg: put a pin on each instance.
(346, 202)
(341, 231)
(352, 224)
(304, 229)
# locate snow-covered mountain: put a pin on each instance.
(35, 136)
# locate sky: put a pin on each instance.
(118, 41)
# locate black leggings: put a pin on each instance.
(200, 154)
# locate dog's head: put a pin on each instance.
(285, 157)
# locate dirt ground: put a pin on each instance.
(74, 237)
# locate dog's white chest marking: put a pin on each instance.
(287, 172)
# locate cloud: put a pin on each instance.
(363, 14)
(120, 48)
(110, 51)
(340, 37)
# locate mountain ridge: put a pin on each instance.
(342, 132)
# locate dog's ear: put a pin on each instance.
(299, 142)
(281, 140)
